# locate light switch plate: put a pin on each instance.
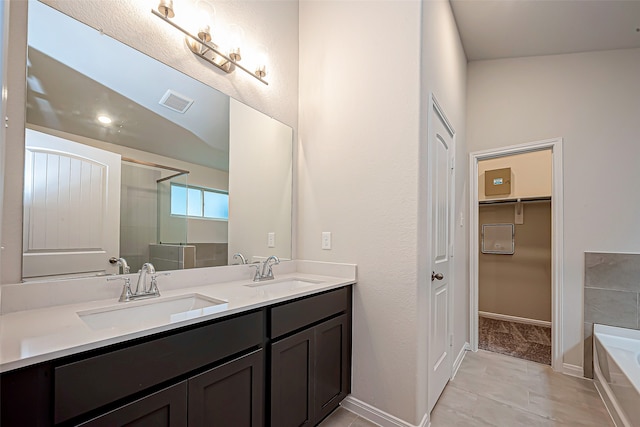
(326, 240)
(271, 240)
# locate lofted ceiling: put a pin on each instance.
(493, 29)
(77, 74)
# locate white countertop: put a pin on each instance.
(35, 335)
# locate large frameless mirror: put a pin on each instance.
(129, 159)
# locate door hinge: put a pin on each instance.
(450, 340)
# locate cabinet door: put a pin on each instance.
(167, 407)
(333, 362)
(292, 385)
(229, 395)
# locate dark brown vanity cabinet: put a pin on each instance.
(163, 379)
(227, 395)
(310, 358)
(164, 408)
(284, 365)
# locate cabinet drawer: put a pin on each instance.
(90, 383)
(298, 314)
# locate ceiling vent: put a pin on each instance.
(176, 102)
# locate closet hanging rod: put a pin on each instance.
(522, 199)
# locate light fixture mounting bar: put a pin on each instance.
(224, 65)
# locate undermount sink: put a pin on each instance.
(153, 312)
(283, 284)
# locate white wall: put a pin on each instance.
(444, 74)
(272, 24)
(592, 100)
(360, 156)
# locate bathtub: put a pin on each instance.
(616, 368)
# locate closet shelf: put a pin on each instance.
(515, 200)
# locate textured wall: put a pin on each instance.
(592, 101)
(363, 127)
(611, 296)
(359, 127)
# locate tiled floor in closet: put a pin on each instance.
(491, 389)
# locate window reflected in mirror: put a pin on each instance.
(173, 184)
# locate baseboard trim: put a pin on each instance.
(572, 370)
(507, 318)
(377, 416)
(456, 364)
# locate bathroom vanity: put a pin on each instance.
(283, 361)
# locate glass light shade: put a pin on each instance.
(165, 7)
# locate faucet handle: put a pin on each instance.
(153, 287)
(126, 288)
(256, 276)
(164, 273)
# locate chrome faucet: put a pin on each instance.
(141, 287)
(264, 271)
(243, 260)
(125, 267)
(120, 262)
(147, 267)
(267, 272)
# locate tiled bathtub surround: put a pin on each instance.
(611, 296)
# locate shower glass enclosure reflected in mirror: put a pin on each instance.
(222, 153)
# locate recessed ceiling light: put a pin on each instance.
(104, 119)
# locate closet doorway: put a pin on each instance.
(516, 251)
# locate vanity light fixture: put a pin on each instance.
(203, 46)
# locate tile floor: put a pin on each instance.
(491, 389)
(521, 340)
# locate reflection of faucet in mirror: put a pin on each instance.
(121, 262)
(243, 260)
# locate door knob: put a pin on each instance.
(435, 276)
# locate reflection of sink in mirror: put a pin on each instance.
(283, 285)
(152, 312)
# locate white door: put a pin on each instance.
(441, 176)
(71, 207)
